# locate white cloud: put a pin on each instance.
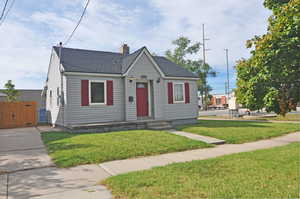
(26, 38)
(228, 24)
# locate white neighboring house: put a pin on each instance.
(232, 102)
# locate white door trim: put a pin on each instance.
(149, 95)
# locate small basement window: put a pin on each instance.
(178, 92)
(97, 92)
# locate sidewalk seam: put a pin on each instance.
(107, 170)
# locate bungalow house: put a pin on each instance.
(89, 88)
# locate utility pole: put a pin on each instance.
(203, 43)
(227, 65)
(204, 62)
(225, 88)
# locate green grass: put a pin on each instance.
(288, 117)
(67, 149)
(270, 173)
(240, 131)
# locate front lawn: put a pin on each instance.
(67, 149)
(270, 173)
(240, 131)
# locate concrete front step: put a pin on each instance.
(159, 125)
(164, 127)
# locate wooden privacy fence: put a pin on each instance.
(18, 114)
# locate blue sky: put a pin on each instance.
(33, 27)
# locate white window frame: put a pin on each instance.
(90, 92)
(183, 90)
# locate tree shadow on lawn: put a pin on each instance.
(52, 136)
(64, 146)
(54, 141)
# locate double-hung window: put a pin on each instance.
(178, 92)
(97, 92)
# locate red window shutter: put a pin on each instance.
(187, 92)
(109, 93)
(84, 92)
(170, 92)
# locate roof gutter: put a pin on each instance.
(185, 78)
(124, 75)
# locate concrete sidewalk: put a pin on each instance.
(125, 166)
(206, 139)
(55, 183)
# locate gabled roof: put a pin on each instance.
(91, 61)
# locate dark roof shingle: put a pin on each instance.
(90, 61)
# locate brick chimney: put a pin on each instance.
(124, 49)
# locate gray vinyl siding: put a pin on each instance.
(76, 114)
(54, 110)
(144, 67)
(130, 107)
(181, 110)
(159, 97)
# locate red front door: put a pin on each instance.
(142, 99)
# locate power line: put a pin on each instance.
(3, 11)
(80, 19)
(5, 16)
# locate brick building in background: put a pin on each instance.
(219, 101)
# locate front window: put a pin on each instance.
(97, 92)
(178, 93)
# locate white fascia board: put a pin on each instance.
(93, 74)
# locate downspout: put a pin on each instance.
(62, 100)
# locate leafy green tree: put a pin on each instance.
(10, 91)
(181, 55)
(270, 78)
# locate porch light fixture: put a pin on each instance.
(158, 80)
(131, 79)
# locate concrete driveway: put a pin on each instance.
(32, 174)
(22, 148)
